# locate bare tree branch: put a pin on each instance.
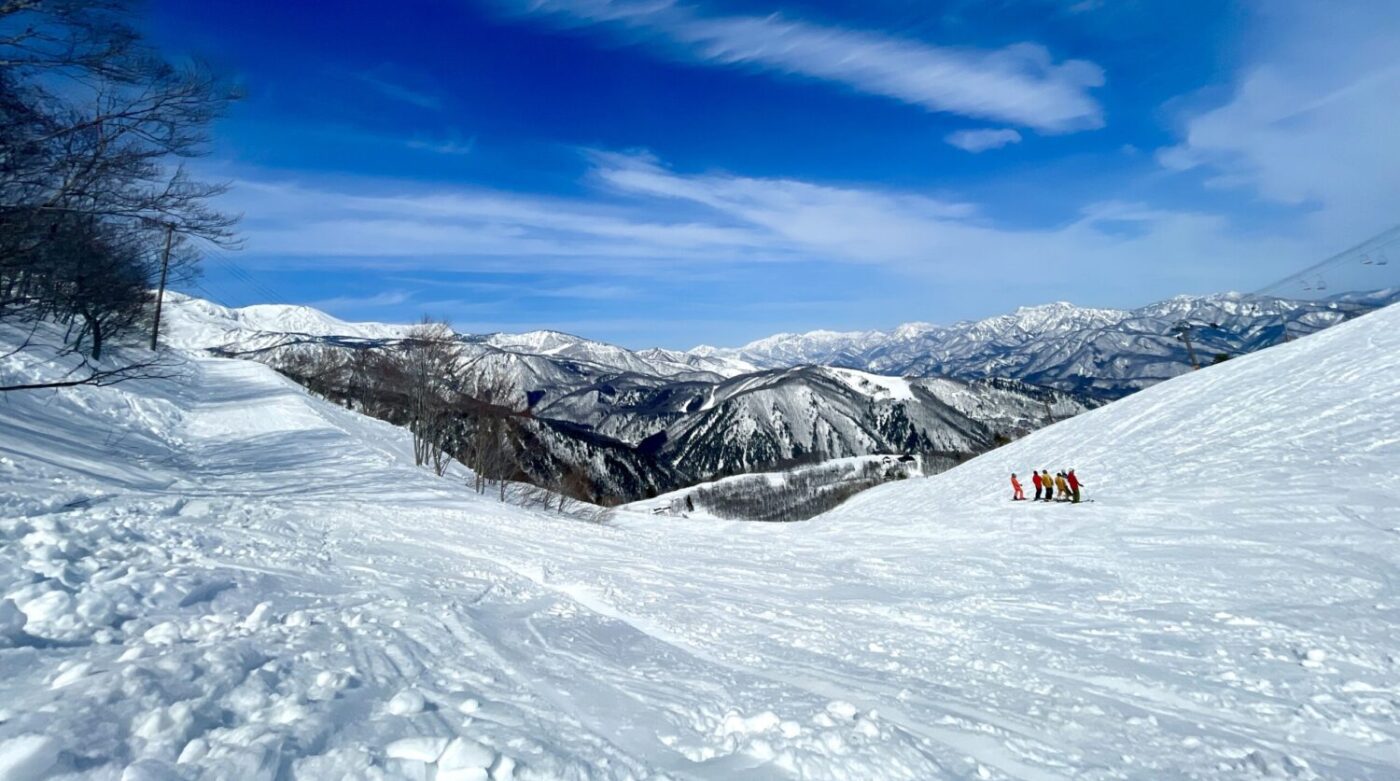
(154, 369)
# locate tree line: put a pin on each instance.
(422, 382)
(800, 494)
(97, 206)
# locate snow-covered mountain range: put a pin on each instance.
(1103, 352)
(642, 422)
(649, 421)
(539, 365)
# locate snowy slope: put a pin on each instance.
(194, 323)
(219, 577)
(1229, 601)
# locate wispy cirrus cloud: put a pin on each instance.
(1311, 122)
(1021, 84)
(1125, 245)
(638, 219)
(582, 291)
(442, 146)
(386, 299)
(981, 140)
(376, 224)
(395, 90)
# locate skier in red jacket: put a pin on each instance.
(1035, 478)
(1018, 495)
(1073, 485)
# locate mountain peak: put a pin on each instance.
(912, 330)
(1053, 306)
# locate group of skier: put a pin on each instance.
(1061, 487)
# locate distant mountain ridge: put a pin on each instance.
(649, 421)
(1106, 353)
(643, 422)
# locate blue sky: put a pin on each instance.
(656, 172)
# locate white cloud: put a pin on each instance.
(385, 299)
(399, 92)
(1127, 246)
(450, 146)
(1312, 122)
(582, 291)
(642, 219)
(588, 291)
(372, 224)
(1086, 6)
(1019, 84)
(981, 140)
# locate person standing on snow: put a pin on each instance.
(1049, 483)
(1035, 479)
(1061, 487)
(1017, 494)
(1073, 486)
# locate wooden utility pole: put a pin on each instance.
(160, 292)
(1190, 350)
(1183, 332)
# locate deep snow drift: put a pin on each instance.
(219, 577)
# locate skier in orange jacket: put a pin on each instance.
(1018, 495)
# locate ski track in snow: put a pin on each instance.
(221, 578)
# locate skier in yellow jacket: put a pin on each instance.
(1062, 487)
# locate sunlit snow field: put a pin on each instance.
(219, 577)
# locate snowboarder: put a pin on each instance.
(1073, 486)
(1035, 478)
(1017, 494)
(1061, 487)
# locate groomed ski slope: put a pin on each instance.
(220, 577)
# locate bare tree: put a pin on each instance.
(321, 369)
(489, 449)
(157, 367)
(574, 487)
(367, 373)
(90, 119)
(430, 360)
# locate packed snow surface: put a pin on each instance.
(218, 577)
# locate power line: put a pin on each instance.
(208, 294)
(259, 288)
(1369, 252)
(238, 273)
